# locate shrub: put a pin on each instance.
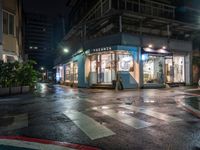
(17, 74)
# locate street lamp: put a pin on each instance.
(66, 50)
(42, 68)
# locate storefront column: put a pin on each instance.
(120, 23)
(141, 82)
(64, 67)
(191, 76)
(164, 73)
(188, 69)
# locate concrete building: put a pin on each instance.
(141, 41)
(38, 39)
(10, 30)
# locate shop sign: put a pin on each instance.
(100, 49)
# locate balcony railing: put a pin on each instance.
(147, 7)
(99, 10)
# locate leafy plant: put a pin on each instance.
(26, 74)
(17, 74)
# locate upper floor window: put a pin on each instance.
(8, 23)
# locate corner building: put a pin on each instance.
(140, 40)
(10, 30)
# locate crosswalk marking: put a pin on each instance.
(126, 119)
(89, 126)
(152, 113)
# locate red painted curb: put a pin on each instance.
(63, 144)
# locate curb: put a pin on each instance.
(48, 142)
(188, 108)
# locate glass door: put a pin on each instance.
(106, 68)
(175, 69)
(179, 69)
(169, 70)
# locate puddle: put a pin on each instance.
(194, 91)
(194, 102)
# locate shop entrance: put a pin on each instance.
(103, 68)
(175, 69)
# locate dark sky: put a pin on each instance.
(50, 7)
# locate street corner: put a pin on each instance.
(193, 91)
(190, 104)
(26, 143)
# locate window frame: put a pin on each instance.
(8, 23)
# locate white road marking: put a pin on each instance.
(124, 118)
(152, 113)
(8, 99)
(89, 126)
(31, 145)
(20, 121)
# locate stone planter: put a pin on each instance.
(25, 89)
(4, 91)
(15, 90)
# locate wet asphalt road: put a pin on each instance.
(135, 119)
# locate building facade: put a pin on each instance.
(38, 39)
(140, 42)
(10, 31)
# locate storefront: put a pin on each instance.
(104, 66)
(163, 67)
(160, 63)
(71, 73)
(107, 63)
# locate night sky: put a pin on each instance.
(49, 7)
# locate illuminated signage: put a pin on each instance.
(101, 49)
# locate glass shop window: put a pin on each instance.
(153, 70)
(75, 72)
(125, 62)
(179, 69)
(93, 63)
(67, 70)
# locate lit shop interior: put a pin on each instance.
(67, 73)
(71, 72)
(161, 68)
(175, 69)
(153, 71)
(104, 66)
